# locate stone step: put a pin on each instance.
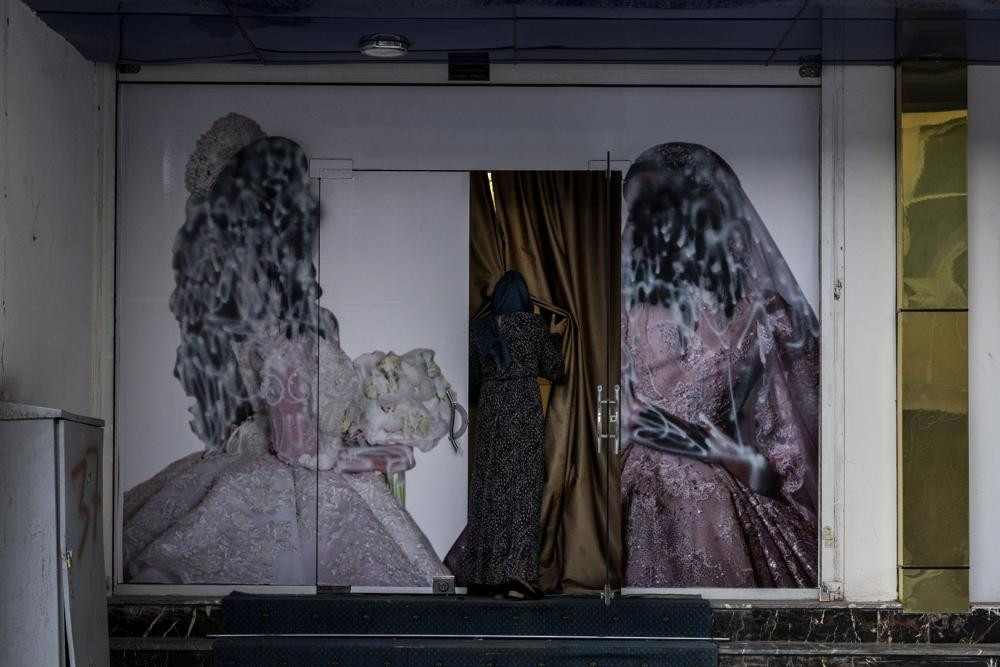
(197, 652)
(248, 651)
(849, 654)
(552, 616)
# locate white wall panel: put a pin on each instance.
(56, 225)
(984, 332)
(869, 298)
(49, 257)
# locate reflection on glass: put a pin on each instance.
(942, 590)
(934, 437)
(933, 233)
(932, 326)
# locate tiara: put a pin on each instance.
(227, 137)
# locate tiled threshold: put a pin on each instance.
(882, 623)
(847, 654)
(155, 632)
(196, 652)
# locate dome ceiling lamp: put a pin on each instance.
(384, 45)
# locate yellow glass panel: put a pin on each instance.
(932, 284)
(933, 225)
(930, 590)
(933, 439)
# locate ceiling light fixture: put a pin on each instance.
(384, 46)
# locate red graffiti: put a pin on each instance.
(83, 509)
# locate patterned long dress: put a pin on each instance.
(509, 468)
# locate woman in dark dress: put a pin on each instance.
(508, 350)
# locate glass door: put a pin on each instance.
(614, 400)
(608, 397)
(393, 377)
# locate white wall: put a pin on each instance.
(868, 209)
(858, 448)
(48, 218)
(984, 332)
(56, 225)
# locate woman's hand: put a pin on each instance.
(650, 426)
(557, 326)
(745, 464)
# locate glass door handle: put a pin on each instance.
(614, 418)
(456, 410)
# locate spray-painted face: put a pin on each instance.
(243, 270)
(685, 242)
(720, 345)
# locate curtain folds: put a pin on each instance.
(552, 227)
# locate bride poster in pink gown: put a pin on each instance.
(720, 366)
(300, 442)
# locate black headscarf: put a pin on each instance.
(510, 295)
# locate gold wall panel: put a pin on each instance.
(940, 590)
(933, 439)
(932, 281)
(933, 225)
(932, 231)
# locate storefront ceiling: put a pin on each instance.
(656, 31)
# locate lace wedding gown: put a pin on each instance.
(291, 499)
(692, 523)
(720, 352)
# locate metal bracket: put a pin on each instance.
(831, 591)
(829, 541)
(456, 409)
(600, 418)
(444, 585)
(810, 67)
(602, 165)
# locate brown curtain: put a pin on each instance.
(552, 227)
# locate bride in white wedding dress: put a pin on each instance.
(299, 439)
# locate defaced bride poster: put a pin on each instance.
(299, 475)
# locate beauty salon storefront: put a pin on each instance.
(710, 474)
(777, 378)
